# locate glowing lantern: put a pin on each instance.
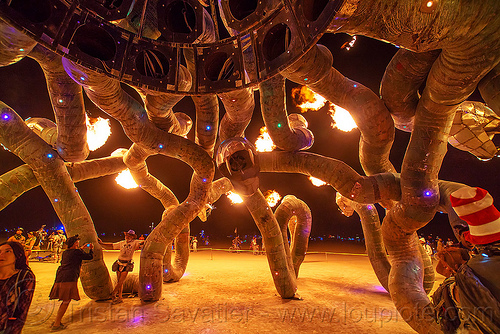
(264, 143)
(98, 131)
(316, 182)
(126, 180)
(234, 197)
(272, 198)
(342, 120)
(307, 100)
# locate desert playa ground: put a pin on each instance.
(224, 292)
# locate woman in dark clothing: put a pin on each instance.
(65, 287)
(17, 284)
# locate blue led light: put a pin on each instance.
(50, 155)
(208, 128)
(427, 193)
(485, 255)
(166, 271)
(56, 200)
(22, 50)
(82, 78)
(5, 116)
(148, 287)
(204, 180)
(355, 85)
(160, 146)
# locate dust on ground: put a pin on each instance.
(224, 292)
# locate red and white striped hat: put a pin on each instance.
(475, 206)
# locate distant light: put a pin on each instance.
(276, 273)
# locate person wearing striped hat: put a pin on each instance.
(476, 285)
(475, 206)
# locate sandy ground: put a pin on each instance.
(225, 292)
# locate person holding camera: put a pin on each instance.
(65, 286)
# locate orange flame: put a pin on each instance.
(264, 143)
(307, 100)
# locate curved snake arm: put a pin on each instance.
(315, 70)
(274, 114)
(402, 79)
(362, 189)
(108, 95)
(151, 273)
(44, 128)
(370, 223)
(172, 272)
(55, 180)
(14, 45)
(239, 106)
(473, 129)
(489, 87)
(159, 105)
(277, 250)
(16, 182)
(294, 215)
(66, 97)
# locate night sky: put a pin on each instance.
(115, 209)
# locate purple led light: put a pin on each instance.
(369, 207)
(427, 193)
(148, 287)
(6, 117)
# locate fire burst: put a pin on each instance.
(316, 182)
(342, 120)
(307, 100)
(98, 132)
(234, 197)
(126, 180)
(272, 197)
(264, 143)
